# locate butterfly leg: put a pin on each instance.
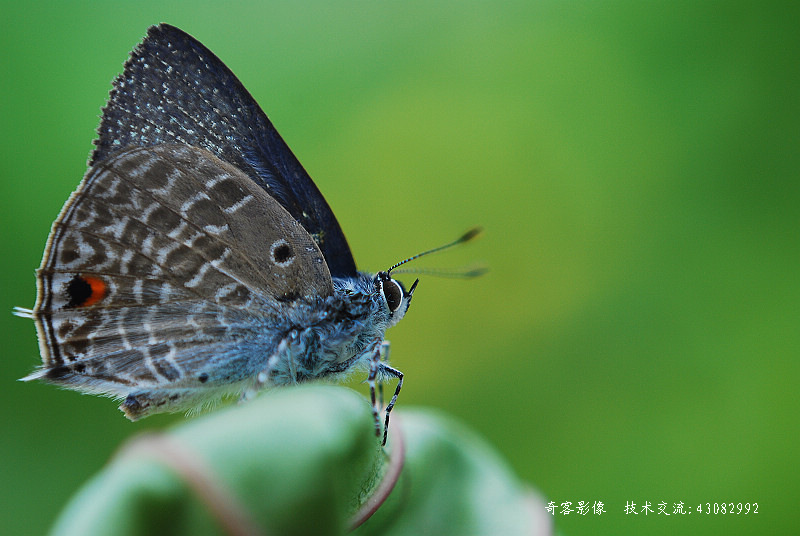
(385, 358)
(390, 371)
(263, 377)
(375, 364)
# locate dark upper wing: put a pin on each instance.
(175, 90)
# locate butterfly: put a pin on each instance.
(197, 259)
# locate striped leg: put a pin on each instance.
(387, 370)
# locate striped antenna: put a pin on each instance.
(469, 235)
(466, 272)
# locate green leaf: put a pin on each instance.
(303, 461)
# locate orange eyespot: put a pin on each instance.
(85, 291)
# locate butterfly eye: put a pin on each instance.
(391, 289)
(393, 293)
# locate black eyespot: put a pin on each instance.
(203, 377)
(78, 291)
(281, 252)
(85, 291)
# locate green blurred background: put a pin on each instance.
(635, 165)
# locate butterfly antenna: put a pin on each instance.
(466, 237)
(467, 272)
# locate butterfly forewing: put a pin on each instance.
(174, 90)
(163, 258)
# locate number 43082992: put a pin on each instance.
(728, 508)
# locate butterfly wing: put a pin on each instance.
(174, 90)
(159, 274)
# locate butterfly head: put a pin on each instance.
(395, 295)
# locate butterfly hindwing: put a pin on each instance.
(163, 260)
(174, 90)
